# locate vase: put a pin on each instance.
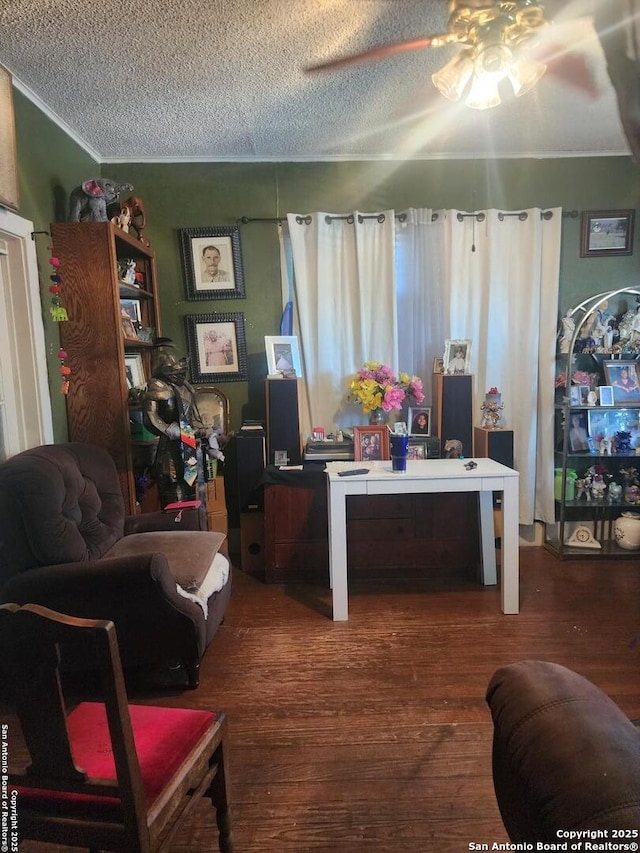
(627, 531)
(377, 417)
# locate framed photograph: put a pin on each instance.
(128, 329)
(131, 307)
(400, 428)
(606, 233)
(283, 355)
(578, 434)
(9, 196)
(370, 443)
(623, 378)
(576, 398)
(417, 448)
(419, 421)
(217, 347)
(606, 395)
(457, 357)
(438, 365)
(213, 408)
(599, 426)
(584, 394)
(212, 263)
(134, 369)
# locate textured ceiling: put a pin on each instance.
(224, 80)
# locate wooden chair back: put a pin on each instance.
(111, 813)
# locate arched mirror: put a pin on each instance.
(213, 407)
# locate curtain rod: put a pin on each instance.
(401, 217)
(306, 220)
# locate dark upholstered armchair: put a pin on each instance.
(565, 757)
(66, 543)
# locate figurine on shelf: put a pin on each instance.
(138, 217)
(566, 334)
(123, 218)
(129, 275)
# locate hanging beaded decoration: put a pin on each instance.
(59, 315)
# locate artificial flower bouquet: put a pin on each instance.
(376, 387)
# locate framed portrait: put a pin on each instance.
(599, 426)
(584, 394)
(605, 392)
(606, 233)
(622, 375)
(283, 354)
(419, 421)
(217, 347)
(418, 448)
(400, 428)
(134, 369)
(212, 262)
(213, 408)
(576, 397)
(128, 329)
(438, 364)
(370, 443)
(457, 357)
(578, 434)
(131, 307)
(9, 196)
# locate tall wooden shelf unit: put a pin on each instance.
(93, 338)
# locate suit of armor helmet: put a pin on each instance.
(171, 412)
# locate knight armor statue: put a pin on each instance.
(170, 410)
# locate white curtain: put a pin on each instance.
(423, 298)
(345, 295)
(503, 276)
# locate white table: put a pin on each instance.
(434, 476)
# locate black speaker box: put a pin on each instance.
(453, 400)
(283, 420)
(494, 444)
(243, 469)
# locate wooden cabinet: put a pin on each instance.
(404, 536)
(90, 255)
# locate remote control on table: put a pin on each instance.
(352, 472)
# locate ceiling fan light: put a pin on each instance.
(452, 79)
(494, 61)
(524, 74)
(483, 94)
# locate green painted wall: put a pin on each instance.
(180, 196)
(50, 164)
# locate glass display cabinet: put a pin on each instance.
(597, 429)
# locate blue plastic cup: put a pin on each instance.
(399, 448)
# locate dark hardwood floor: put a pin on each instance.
(373, 735)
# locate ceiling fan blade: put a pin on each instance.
(377, 53)
(574, 70)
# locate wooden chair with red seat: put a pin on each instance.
(108, 775)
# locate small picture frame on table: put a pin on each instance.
(370, 443)
(418, 448)
(419, 420)
(457, 357)
(283, 355)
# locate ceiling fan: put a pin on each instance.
(495, 40)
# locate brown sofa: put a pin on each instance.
(66, 543)
(565, 757)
